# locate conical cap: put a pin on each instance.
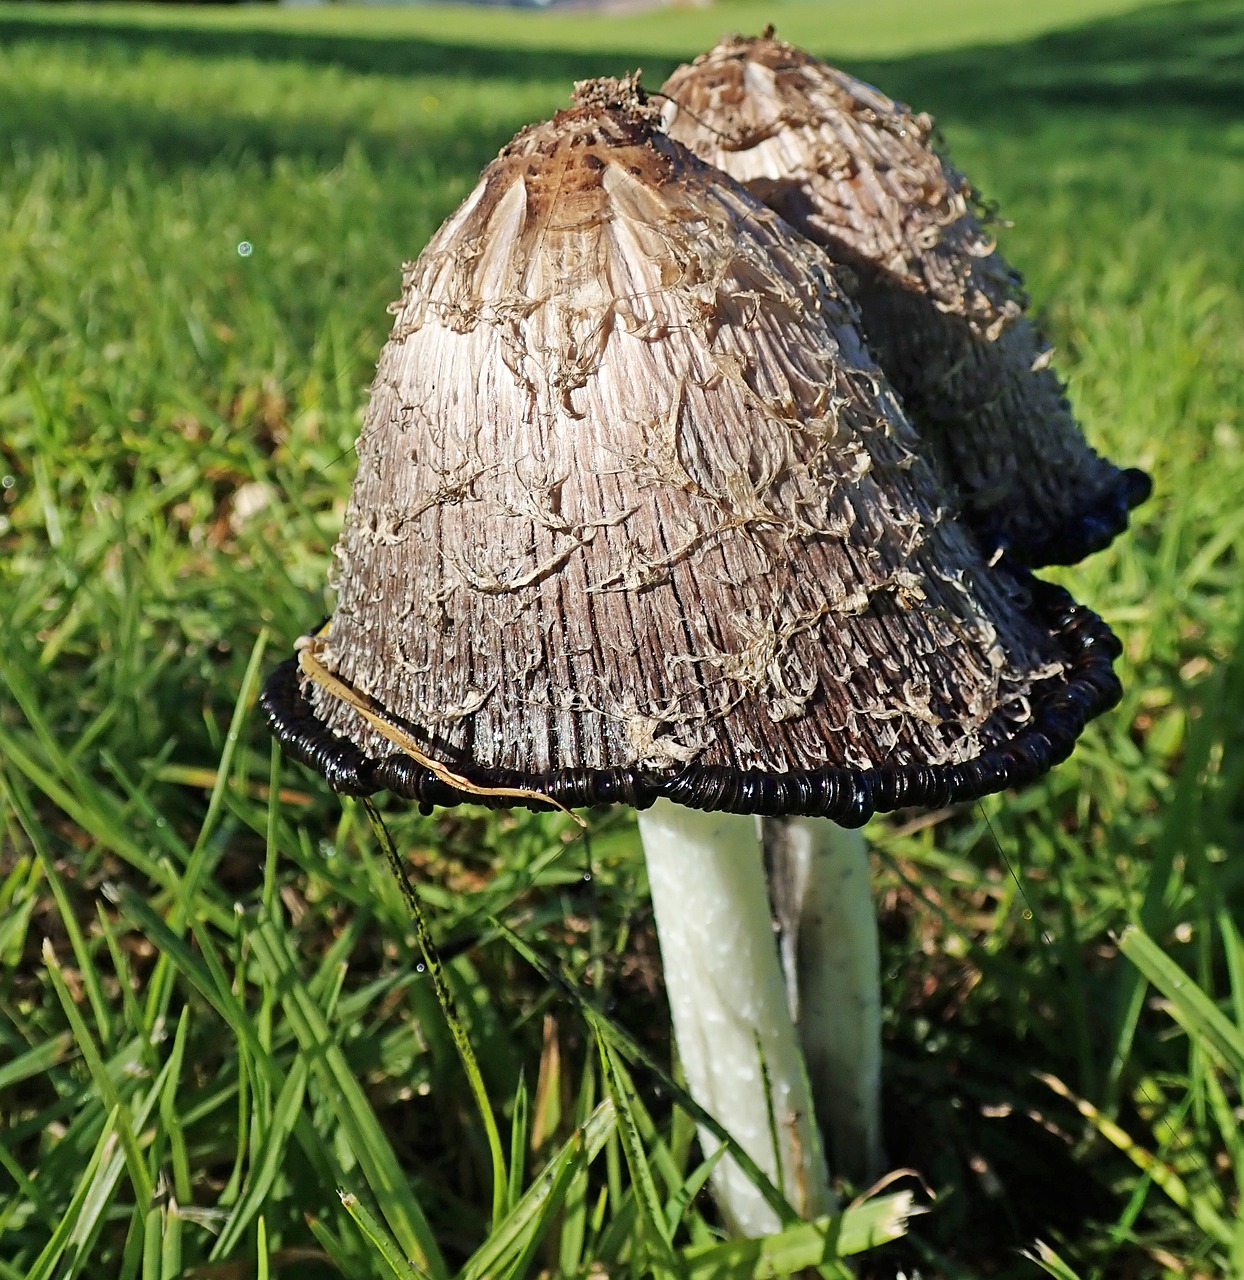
(637, 515)
(941, 309)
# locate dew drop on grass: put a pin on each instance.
(7, 482)
(245, 249)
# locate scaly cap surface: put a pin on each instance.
(637, 515)
(941, 309)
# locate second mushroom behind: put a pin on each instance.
(865, 178)
(637, 519)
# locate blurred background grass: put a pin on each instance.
(176, 428)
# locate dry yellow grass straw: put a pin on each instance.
(306, 647)
(1157, 1169)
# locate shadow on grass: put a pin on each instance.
(202, 135)
(392, 55)
(1176, 56)
(1183, 57)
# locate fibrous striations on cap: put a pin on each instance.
(637, 515)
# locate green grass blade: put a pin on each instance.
(104, 1085)
(528, 1219)
(224, 769)
(383, 1243)
(627, 1045)
(353, 1111)
(519, 1125)
(1199, 1016)
(338, 1253)
(263, 1261)
(169, 1201)
(1157, 1170)
(573, 1233)
(20, 802)
(87, 1210)
(133, 1014)
(159, 987)
(191, 967)
(267, 1160)
(651, 1211)
(78, 1212)
(153, 1251)
(444, 997)
(1049, 1261)
(100, 817)
(1233, 952)
(822, 1243)
(691, 1187)
(208, 982)
(37, 1061)
(270, 833)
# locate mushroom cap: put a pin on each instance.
(941, 309)
(636, 515)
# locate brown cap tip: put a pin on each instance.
(625, 96)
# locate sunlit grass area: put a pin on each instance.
(843, 27)
(214, 1007)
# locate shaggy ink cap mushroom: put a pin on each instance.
(638, 519)
(941, 309)
(636, 516)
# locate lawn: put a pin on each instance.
(214, 1008)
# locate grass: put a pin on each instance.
(214, 1009)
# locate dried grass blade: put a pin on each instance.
(314, 669)
(1160, 1173)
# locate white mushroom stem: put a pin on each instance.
(727, 996)
(819, 881)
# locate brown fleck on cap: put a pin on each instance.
(941, 309)
(636, 515)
